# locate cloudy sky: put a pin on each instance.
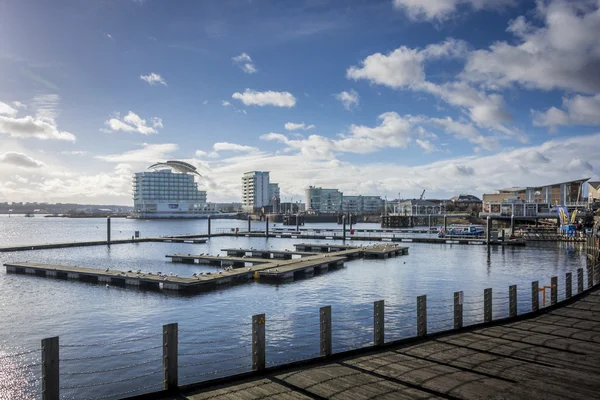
(369, 96)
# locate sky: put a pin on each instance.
(374, 97)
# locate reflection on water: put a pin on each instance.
(34, 308)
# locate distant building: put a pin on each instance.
(465, 202)
(362, 204)
(594, 192)
(321, 200)
(274, 196)
(255, 190)
(564, 193)
(417, 207)
(169, 191)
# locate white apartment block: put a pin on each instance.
(255, 190)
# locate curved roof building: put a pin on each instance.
(178, 166)
(169, 190)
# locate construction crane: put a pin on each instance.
(422, 194)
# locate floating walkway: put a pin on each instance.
(218, 261)
(6, 249)
(277, 270)
(276, 254)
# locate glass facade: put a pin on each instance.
(179, 190)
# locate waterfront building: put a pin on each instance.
(570, 194)
(321, 200)
(362, 204)
(417, 207)
(274, 194)
(255, 190)
(594, 192)
(169, 190)
(465, 202)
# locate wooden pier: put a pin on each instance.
(270, 269)
(218, 261)
(275, 254)
(60, 245)
(551, 355)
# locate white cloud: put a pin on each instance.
(268, 98)
(404, 68)
(578, 110)
(562, 53)
(149, 153)
(244, 61)
(348, 99)
(153, 79)
(444, 178)
(133, 123)
(400, 68)
(75, 152)
(443, 9)
(205, 102)
(18, 104)
(427, 145)
(226, 146)
(291, 126)
(5, 109)
(393, 131)
(46, 107)
(21, 179)
(225, 103)
(212, 154)
(30, 127)
(20, 160)
(108, 35)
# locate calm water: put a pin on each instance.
(85, 314)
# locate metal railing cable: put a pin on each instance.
(111, 382)
(111, 355)
(22, 353)
(101, 371)
(98, 344)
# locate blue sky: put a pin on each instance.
(394, 95)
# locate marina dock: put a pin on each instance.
(60, 245)
(256, 253)
(270, 269)
(552, 354)
(219, 261)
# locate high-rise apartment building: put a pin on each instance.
(255, 190)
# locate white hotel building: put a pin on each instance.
(169, 191)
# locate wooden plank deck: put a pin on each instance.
(552, 356)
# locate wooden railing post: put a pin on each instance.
(458, 310)
(568, 285)
(422, 315)
(208, 220)
(590, 275)
(378, 323)
(553, 290)
(512, 299)
(325, 316)
(170, 354)
(258, 342)
(579, 280)
(50, 369)
(535, 296)
(487, 305)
